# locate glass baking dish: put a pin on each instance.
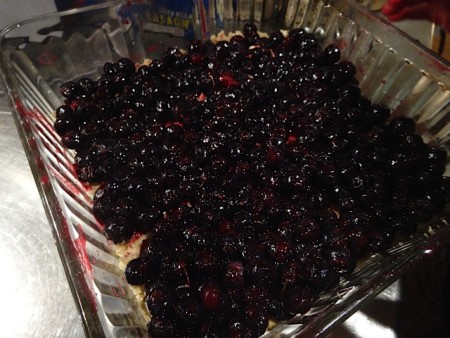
(39, 54)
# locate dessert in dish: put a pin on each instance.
(256, 169)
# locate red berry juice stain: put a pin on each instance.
(227, 79)
(42, 127)
(82, 255)
(65, 182)
(118, 290)
(45, 180)
(47, 58)
(291, 139)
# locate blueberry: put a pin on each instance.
(126, 66)
(70, 90)
(110, 68)
(331, 54)
(250, 30)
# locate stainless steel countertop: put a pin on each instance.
(36, 298)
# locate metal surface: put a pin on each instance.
(36, 299)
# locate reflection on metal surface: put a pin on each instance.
(371, 328)
(378, 319)
(36, 298)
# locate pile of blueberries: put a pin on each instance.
(259, 172)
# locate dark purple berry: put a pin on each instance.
(109, 68)
(136, 272)
(250, 30)
(161, 328)
(299, 300)
(402, 126)
(126, 66)
(234, 274)
(70, 90)
(331, 54)
(211, 296)
(158, 300)
(64, 112)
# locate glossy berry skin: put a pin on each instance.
(211, 296)
(259, 172)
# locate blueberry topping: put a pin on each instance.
(259, 172)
